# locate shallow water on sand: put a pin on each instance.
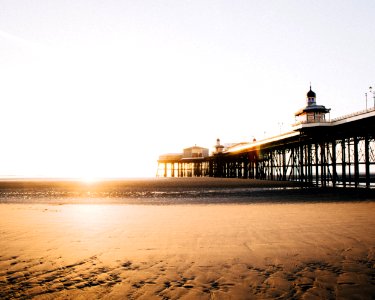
(171, 191)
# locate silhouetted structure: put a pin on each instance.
(339, 152)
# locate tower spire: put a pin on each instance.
(311, 97)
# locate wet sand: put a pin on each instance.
(213, 250)
(172, 191)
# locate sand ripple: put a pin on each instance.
(228, 251)
(42, 279)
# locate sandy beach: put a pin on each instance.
(90, 249)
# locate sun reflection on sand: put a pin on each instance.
(89, 214)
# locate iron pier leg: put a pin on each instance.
(323, 163)
(316, 164)
(334, 172)
(343, 159)
(356, 162)
(301, 174)
(367, 158)
(246, 166)
(309, 163)
(271, 163)
(284, 164)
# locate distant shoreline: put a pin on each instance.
(204, 190)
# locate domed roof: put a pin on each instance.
(311, 94)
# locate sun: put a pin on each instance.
(87, 179)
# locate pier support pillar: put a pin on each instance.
(356, 162)
(367, 161)
(334, 171)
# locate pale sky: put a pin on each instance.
(102, 88)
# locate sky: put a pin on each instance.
(102, 88)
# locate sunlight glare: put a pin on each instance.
(87, 179)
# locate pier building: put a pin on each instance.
(317, 151)
(191, 162)
(312, 113)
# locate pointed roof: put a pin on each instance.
(311, 94)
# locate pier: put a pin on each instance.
(338, 153)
